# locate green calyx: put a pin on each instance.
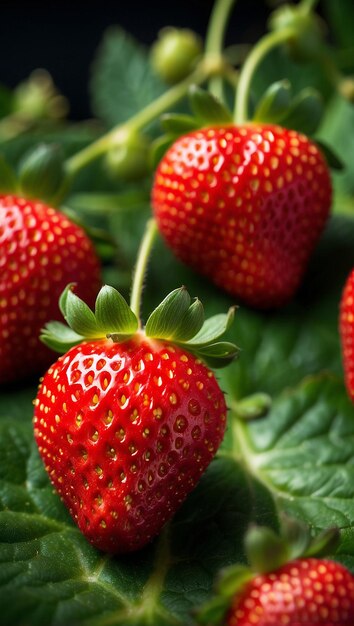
(181, 321)
(112, 318)
(308, 30)
(177, 320)
(206, 110)
(266, 552)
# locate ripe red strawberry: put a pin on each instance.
(40, 252)
(284, 583)
(125, 431)
(346, 328)
(244, 205)
(127, 422)
(305, 591)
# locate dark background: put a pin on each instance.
(63, 36)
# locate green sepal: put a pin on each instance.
(212, 329)
(59, 337)
(112, 318)
(178, 124)
(41, 171)
(113, 314)
(253, 406)
(207, 108)
(217, 354)
(158, 148)
(305, 112)
(296, 534)
(167, 317)
(191, 323)
(231, 581)
(178, 320)
(324, 544)
(333, 160)
(274, 103)
(8, 182)
(79, 316)
(266, 551)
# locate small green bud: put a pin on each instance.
(37, 98)
(346, 88)
(308, 31)
(128, 158)
(41, 171)
(174, 54)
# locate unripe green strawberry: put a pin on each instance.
(245, 206)
(41, 250)
(174, 54)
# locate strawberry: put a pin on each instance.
(284, 583)
(346, 328)
(40, 251)
(244, 205)
(304, 591)
(126, 422)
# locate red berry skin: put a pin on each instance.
(245, 206)
(125, 432)
(303, 592)
(346, 329)
(41, 251)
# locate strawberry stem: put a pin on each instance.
(144, 117)
(141, 264)
(214, 40)
(257, 54)
(308, 5)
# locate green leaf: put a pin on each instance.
(122, 82)
(333, 160)
(59, 337)
(8, 182)
(178, 124)
(274, 103)
(303, 452)
(217, 354)
(305, 113)
(78, 315)
(341, 19)
(168, 315)
(207, 108)
(51, 576)
(159, 147)
(213, 328)
(113, 315)
(337, 131)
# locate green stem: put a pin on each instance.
(308, 5)
(215, 38)
(140, 268)
(267, 43)
(138, 121)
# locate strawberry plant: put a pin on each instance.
(133, 477)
